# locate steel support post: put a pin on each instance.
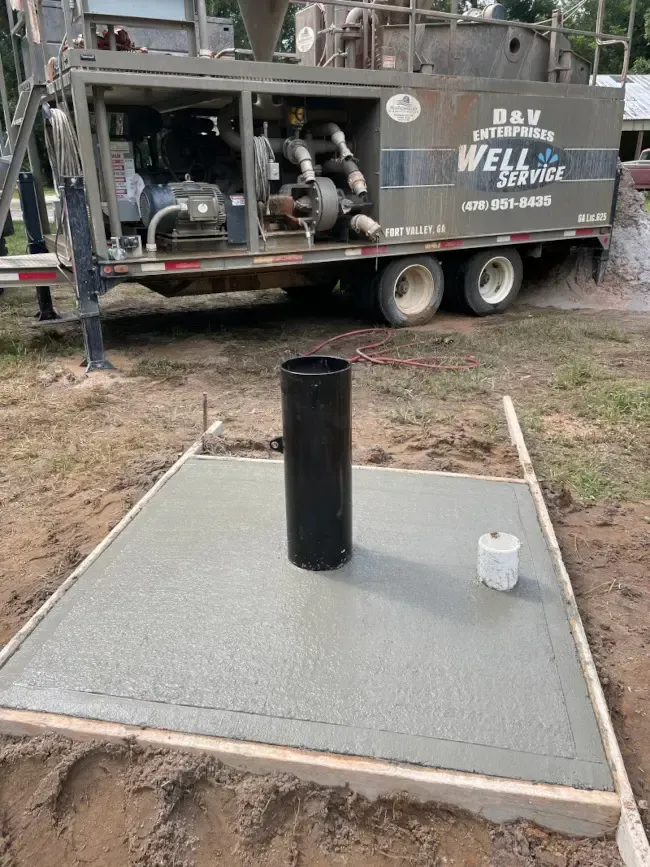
(36, 242)
(639, 144)
(37, 176)
(5, 99)
(15, 42)
(67, 22)
(203, 38)
(600, 17)
(628, 47)
(88, 283)
(104, 144)
(412, 22)
(87, 153)
(554, 50)
(247, 132)
(453, 25)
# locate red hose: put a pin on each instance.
(430, 362)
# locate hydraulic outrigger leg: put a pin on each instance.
(88, 282)
(36, 242)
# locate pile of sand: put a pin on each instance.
(626, 283)
(108, 805)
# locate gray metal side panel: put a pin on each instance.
(448, 172)
(283, 72)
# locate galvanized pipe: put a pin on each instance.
(14, 44)
(334, 132)
(295, 151)
(362, 224)
(366, 40)
(104, 144)
(412, 22)
(329, 33)
(628, 46)
(553, 53)
(339, 54)
(453, 25)
(67, 20)
(157, 219)
(497, 22)
(353, 173)
(203, 32)
(5, 100)
(356, 28)
(247, 129)
(317, 444)
(599, 23)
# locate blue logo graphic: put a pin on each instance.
(547, 158)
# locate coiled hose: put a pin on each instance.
(62, 147)
(263, 156)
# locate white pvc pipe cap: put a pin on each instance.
(498, 560)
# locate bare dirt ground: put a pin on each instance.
(78, 451)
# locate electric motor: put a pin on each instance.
(205, 205)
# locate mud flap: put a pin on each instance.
(599, 264)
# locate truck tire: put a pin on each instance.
(409, 290)
(489, 281)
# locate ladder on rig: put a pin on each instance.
(18, 140)
(37, 268)
(19, 134)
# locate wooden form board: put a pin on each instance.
(631, 838)
(560, 808)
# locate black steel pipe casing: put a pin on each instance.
(317, 437)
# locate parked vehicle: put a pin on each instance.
(640, 170)
(401, 160)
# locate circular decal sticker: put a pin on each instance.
(305, 40)
(403, 108)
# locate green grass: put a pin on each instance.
(17, 243)
(49, 191)
(600, 395)
(18, 348)
(586, 481)
(577, 374)
(623, 401)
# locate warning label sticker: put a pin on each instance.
(123, 167)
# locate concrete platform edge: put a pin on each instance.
(631, 838)
(375, 468)
(559, 808)
(14, 643)
(584, 813)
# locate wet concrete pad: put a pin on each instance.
(194, 620)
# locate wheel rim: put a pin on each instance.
(414, 290)
(496, 280)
